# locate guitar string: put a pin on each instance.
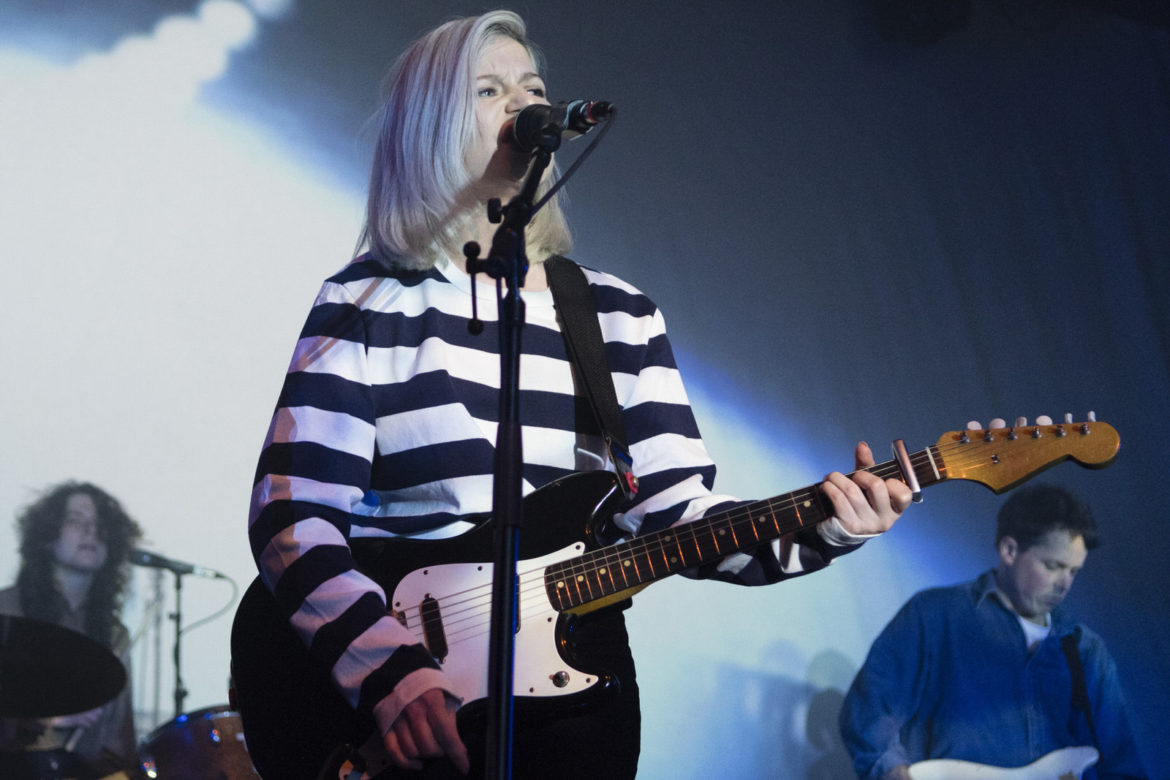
(690, 532)
(477, 629)
(457, 629)
(602, 559)
(584, 567)
(637, 546)
(598, 562)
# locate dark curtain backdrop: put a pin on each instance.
(853, 235)
(882, 240)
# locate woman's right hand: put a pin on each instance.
(426, 729)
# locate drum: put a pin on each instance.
(203, 745)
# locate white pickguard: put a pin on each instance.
(464, 594)
(1063, 764)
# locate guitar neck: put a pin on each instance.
(998, 458)
(631, 565)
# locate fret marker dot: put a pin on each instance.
(723, 532)
(625, 563)
(580, 578)
(601, 571)
(807, 504)
(561, 584)
(673, 559)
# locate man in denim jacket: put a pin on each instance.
(977, 672)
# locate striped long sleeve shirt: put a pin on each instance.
(386, 426)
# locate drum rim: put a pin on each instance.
(194, 716)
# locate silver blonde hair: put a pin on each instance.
(419, 199)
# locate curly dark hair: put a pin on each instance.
(40, 525)
(1033, 511)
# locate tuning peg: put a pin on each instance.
(998, 422)
(974, 425)
(1091, 417)
(1044, 420)
(1068, 418)
(1020, 423)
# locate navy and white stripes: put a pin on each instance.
(386, 426)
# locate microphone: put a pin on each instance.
(541, 126)
(156, 561)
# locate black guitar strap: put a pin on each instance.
(1080, 694)
(586, 349)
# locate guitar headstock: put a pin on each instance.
(1003, 457)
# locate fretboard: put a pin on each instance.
(640, 561)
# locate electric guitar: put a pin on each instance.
(1063, 764)
(295, 721)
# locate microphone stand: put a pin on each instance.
(508, 261)
(158, 653)
(177, 616)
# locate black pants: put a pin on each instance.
(596, 738)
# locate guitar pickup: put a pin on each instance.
(434, 636)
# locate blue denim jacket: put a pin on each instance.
(950, 677)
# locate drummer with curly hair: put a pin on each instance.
(75, 545)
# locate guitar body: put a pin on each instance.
(295, 722)
(1063, 764)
